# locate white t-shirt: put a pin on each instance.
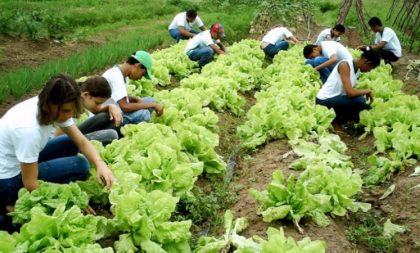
(200, 40)
(392, 42)
(325, 35)
(181, 20)
(22, 138)
(118, 85)
(330, 48)
(277, 34)
(334, 86)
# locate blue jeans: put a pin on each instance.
(346, 108)
(140, 115)
(178, 36)
(203, 55)
(58, 162)
(271, 50)
(325, 72)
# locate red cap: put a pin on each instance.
(218, 28)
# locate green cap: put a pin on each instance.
(146, 60)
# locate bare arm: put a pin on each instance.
(374, 46)
(114, 113)
(135, 106)
(344, 70)
(218, 49)
(103, 173)
(293, 39)
(331, 61)
(379, 45)
(29, 175)
(185, 33)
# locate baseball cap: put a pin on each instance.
(218, 28)
(146, 60)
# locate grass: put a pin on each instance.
(367, 232)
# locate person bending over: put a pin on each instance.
(134, 110)
(323, 57)
(28, 153)
(339, 91)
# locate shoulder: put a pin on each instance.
(112, 74)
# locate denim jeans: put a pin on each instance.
(346, 108)
(178, 36)
(58, 162)
(142, 115)
(203, 55)
(271, 50)
(325, 72)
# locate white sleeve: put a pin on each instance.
(329, 51)
(66, 123)
(208, 40)
(287, 33)
(199, 22)
(377, 38)
(321, 38)
(387, 35)
(118, 88)
(26, 143)
(180, 20)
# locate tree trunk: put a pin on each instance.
(344, 10)
(361, 16)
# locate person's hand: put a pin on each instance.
(361, 47)
(369, 97)
(114, 114)
(104, 175)
(158, 109)
(88, 210)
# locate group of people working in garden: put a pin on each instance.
(40, 139)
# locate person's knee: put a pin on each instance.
(208, 52)
(83, 167)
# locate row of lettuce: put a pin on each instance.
(156, 164)
(328, 184)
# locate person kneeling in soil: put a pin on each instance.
(28, 153)
(339, 92)
(386, 44)
(181, 27)
(323, 57)
(331, 34)
(277, 39)
(104, 120)
(202, 47)
(134, 110)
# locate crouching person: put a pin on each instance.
(202, 47)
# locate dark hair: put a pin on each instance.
(375, 21)
(59, 90)
(372, 57)
(132, 60)
(307, 50)
(340, 28)
(192, 13)
(97, 86)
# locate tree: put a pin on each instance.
(344, 10)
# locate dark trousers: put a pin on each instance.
(388, 56)
(346, 109)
